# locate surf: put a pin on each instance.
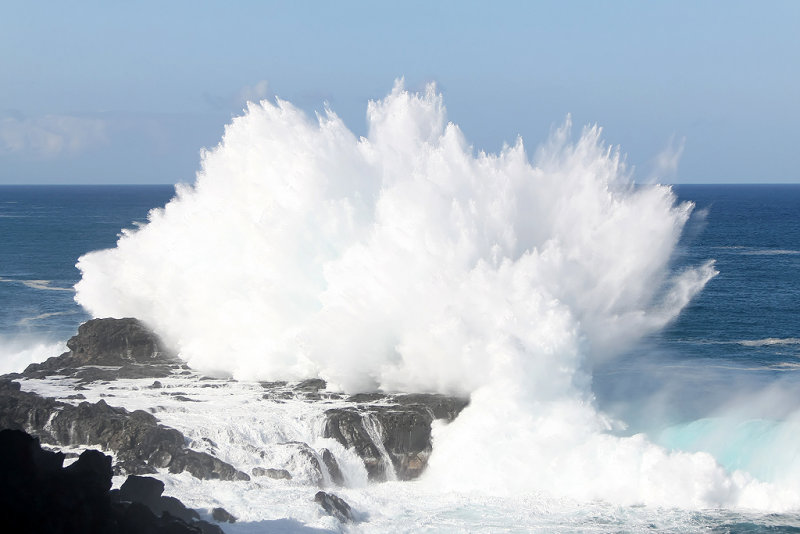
(408, 261)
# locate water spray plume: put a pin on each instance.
(404, 261)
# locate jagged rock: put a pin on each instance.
(312, 384)
(439, 406)
(278, 474)
(126, 345)
(398, 437)
(404, 428)
(360, 398)
(205, 466)
(146, 490)
(345, 426)
(141, 444)
(222, 515)
(333, 467)
(115, 342)
(39, 496)
(335, 506)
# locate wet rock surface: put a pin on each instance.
(140, 443)
(399, 431)
(39, 495)
(277, 474)
(335, 506)
(109, 349)
(390, 433)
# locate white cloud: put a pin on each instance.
(50, 135)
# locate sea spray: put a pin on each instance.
(406, 261)
(17, 352)
(400, 261)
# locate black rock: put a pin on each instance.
(440, 406)
(335, 506)
(175, 508)
(222, 515)
(140, 443)
(312, 384)
(400, 425)
(146, 490)
(115, 342)
(333, 467)
(126, 344)
(39, 496)
(345, 425)
(204, 466)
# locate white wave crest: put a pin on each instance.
(769, 341)
(42, 285)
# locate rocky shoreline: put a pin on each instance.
(38, 495)
(391, 434)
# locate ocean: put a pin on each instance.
(632, 361)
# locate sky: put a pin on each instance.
(130, 92)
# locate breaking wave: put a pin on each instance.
(407, 261)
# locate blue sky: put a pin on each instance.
(113, 92)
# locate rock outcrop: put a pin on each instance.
(390, 433)
(141, 444)
(40, 496)
(108, 349)
(394, 437)
(335, 506)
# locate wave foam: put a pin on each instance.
(405, 261)
(769, 341)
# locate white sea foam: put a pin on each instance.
(769, 341)
(42, 285)
(26, 321)
(404, 261)
(771, 252)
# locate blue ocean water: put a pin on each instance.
(43, 231)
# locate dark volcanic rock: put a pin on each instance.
(390, 433)
(204, 466)
(333, 467)
(439, 406)
(402, 428)
(125, 345)
(39, 496)
(146, 490)
(222, 515)
(141, 444)
(115, 342)
(335, 506)
(345, 425)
